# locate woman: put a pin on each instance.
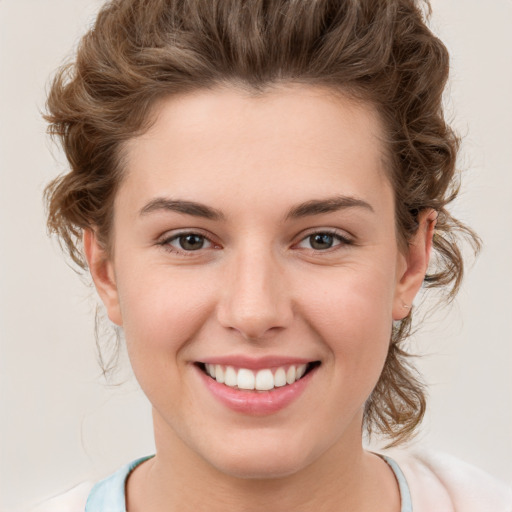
(258, 187)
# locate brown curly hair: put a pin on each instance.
(377, 51)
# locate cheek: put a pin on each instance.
(161, 313)
(352, 313)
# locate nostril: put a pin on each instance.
(255, 312)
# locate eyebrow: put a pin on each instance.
(329, 205)
(181, 206)
(307, 209)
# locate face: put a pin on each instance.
(255, 246)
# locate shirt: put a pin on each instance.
(428, 482)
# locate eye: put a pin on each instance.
(323, 240)
(186, 243)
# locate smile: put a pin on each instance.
(264, 379)
(256, 387)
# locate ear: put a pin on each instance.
(102, 272)
(417, 257)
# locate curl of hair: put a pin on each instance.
(377, 51)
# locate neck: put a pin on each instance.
(343, 478)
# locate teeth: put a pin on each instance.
(218, 373)
(301, 370)
(230, 378)
(280, 378)
(245, 379)
(262, 380)
(290, 375)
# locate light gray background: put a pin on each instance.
(60, 424)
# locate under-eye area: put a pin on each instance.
(264, 379)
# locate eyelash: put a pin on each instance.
(336, 235)
(342, 240)
(166, 243)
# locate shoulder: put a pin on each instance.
(106, 495)
(71, 501)
(442, 483)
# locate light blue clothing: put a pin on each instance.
(108, 495)
(405, 494)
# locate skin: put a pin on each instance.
(258, 287)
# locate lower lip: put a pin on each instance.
(256, 403)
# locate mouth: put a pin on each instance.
(263, 379)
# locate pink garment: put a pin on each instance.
(441, 483)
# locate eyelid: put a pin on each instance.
(342, 236)
(169, 236)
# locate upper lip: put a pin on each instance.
(255, 363)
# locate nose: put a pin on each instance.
(256, 300)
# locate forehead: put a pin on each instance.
(289, 141)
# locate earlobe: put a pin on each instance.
(102, 273)
(416, 263)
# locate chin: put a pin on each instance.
(257, 460)
(261, 469)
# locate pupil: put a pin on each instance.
(321, 241)
(191, 242)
